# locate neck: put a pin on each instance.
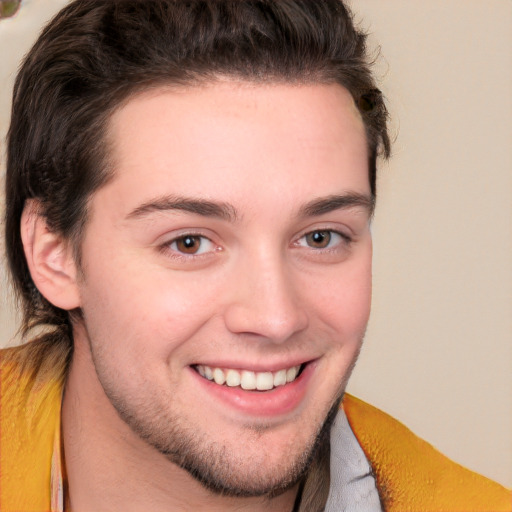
(110, 468)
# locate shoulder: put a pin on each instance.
(30, 398)
(412, 475)
(31, 375)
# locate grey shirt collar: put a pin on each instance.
(353, 487)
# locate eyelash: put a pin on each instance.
(345, 239)
(174, 252)
(167, 247)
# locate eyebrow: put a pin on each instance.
(201, 207)
(228, 212)
(338, 202)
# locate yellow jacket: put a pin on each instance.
(411, 475)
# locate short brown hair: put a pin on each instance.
(94, 55)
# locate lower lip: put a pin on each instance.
(279, 401)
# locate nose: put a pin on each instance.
(266, 302)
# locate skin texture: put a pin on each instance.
(266, 283)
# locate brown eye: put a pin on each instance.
(319, 239)
(188, 244)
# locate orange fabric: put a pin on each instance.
(29, 420)
(412, 475)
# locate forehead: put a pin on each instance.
(227, 137)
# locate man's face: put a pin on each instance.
(233, 243)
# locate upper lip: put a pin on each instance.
(260, 366)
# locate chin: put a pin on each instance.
(258, 462)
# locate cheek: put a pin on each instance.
(343, 303)
(144, 313)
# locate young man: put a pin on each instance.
(189, 192)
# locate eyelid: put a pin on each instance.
(201, 250)
(337, 239)
(345, 234)
(165, 246)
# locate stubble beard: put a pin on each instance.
(212, 464)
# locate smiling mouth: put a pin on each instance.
(249, 380)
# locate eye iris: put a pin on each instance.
(318, 239)
(188, 244)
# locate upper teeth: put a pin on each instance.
(262, 381)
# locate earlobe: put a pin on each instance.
(50, 259)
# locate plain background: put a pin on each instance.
(438, 352)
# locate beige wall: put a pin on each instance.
(439, 347)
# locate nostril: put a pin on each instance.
(259, 320)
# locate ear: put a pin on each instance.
(50, 259)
